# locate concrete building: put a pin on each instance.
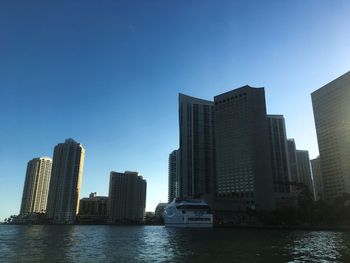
(279, 154)
(331, 106)
(65, 183)
(36, 186)
(93, 209)
(243, 159)
(127, 198)
(304, 170)
(173, 175)
(317, 176)
(196, 152)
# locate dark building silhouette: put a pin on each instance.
(304, 170)
(279, 154)
(173, 178)
(292, 159)
(317, 176)
(243, 159)
(93, 209)
(196, 152)
(127, 198)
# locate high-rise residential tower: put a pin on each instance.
(127, 198)
(173, 179)
(36, 186)
(279, 154)
(243, 159)
(196, 153)
(317, 176)
(65, 183)
(331, 106)
(304, 170)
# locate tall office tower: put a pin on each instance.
(173, 170)
(127, 198)
(279, 154)
(317, 176)
(36, 185)
(66, 178)
(331, 105)
(292, 159)
(243, 159)
(196, 153)
(304, 170)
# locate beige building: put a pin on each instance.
(331, 106)
(36, 185)
(127, 198)
(65, 184)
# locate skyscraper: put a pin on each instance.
(66, 178)
(243, 159)
(279, 154)
(304, 170)
(36, 185)
(196, 153)
(331, 106)
(173, 179)
(317, 176)
(127, 198)
(292, 159)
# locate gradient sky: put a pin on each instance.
(108, 74)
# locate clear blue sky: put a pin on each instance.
(107, 73)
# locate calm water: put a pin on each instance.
(159, 244)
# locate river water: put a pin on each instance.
(160, 244)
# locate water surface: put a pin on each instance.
(160, 244)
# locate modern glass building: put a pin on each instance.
(196, 152)
(304, 170)
(317, 176)
(279, 154)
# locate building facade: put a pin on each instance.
(173, 175)
(279, 154)
(65, 183)
(243, 159)
(127, 198)
(93, 209)
(196, 152)
(36, 186)
(331, 106)
(304, 170)
(317, 176)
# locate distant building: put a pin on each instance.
(279, 154)
(127, 198)
(159, 210)
(243, 159)
(331, 106)
(173, 179)
(93, 209)
(304, 170)
(196, 152)
(36, 186)
(65, 183)
(317, 176)
(292, 159)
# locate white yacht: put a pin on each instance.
(182, 212)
